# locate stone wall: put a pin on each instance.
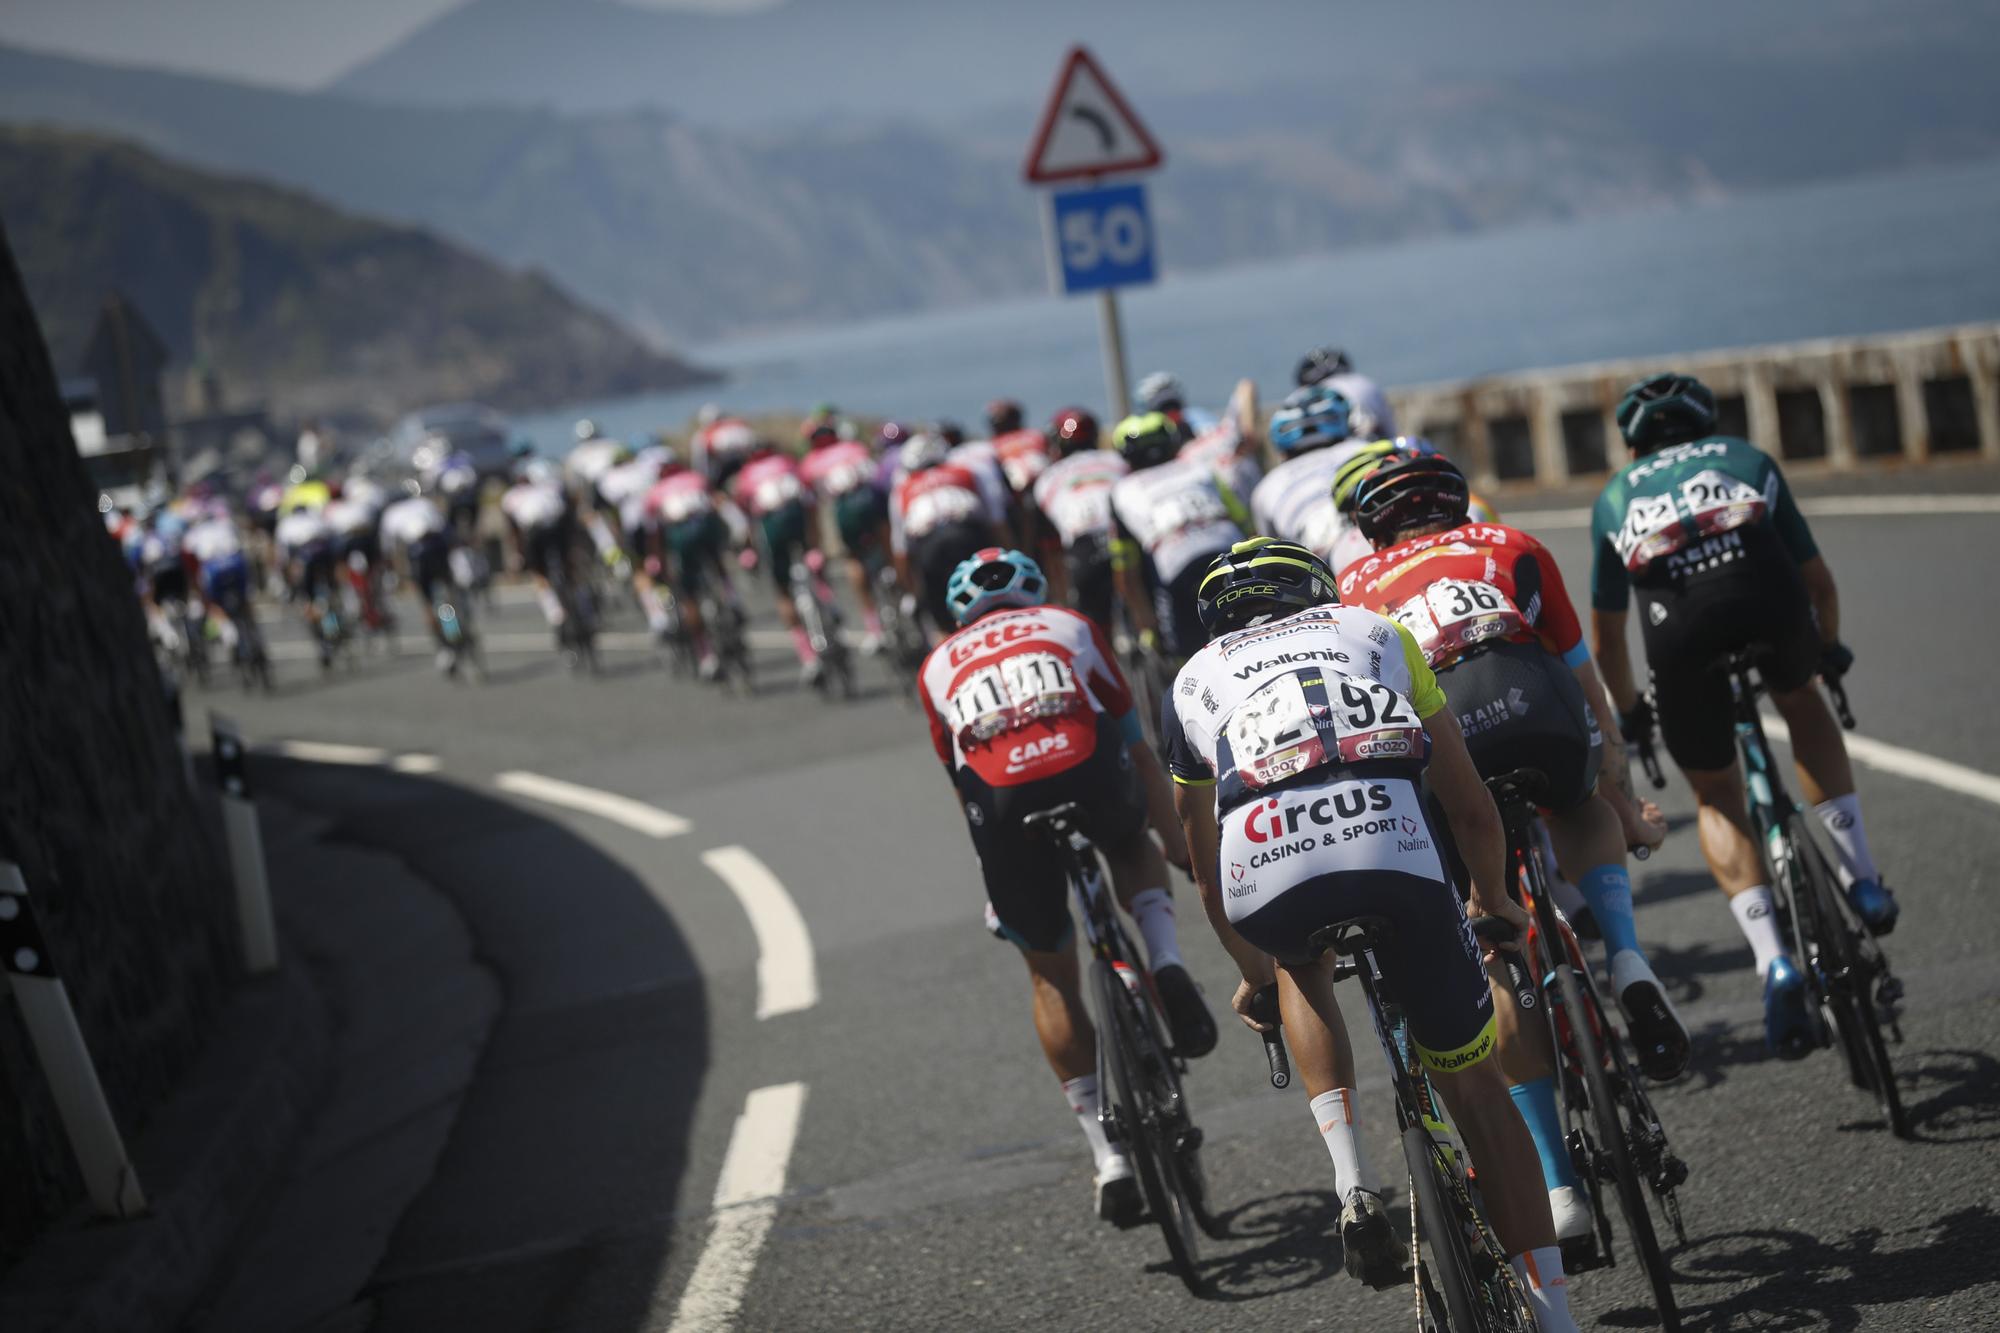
(93, 805)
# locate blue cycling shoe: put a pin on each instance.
(1874, 904)
(1788, 1027)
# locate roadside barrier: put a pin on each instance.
(255, 920)
(65, 1060)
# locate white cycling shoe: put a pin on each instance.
(1571, 1209)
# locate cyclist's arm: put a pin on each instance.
(1196, 807)
(1824, 596)
(1125, 573)
(1614, 658)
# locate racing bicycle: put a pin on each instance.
(576, 637)
(1612, 1131)
(820, 619)
(1146, 1114)
(904, 643)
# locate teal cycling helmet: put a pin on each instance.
(1667, 409)
(1311, 418)
(991, 580)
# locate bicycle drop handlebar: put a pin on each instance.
(1264, 1008)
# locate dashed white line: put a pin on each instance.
(416, 763)
(1907, 763)
(647, 819)
(329, 752)
(753, 1175)
(787, 980)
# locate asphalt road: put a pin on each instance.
(937, 1179)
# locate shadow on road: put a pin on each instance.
(1297, 1239)
(573, 1137)
(1665, 886)
(1684, 968)
(1952, 1096)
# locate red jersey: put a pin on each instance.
(1479, 581)
(768, 484)
(937, 497)
(1015, 695)
(1024, 455)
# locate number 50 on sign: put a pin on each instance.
(1103, 238)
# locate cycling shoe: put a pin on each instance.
(1118, 1199)
(1659, 1038)
(1788, 1029)
(1372, 1252)
(1187, 1013)
(1875, 905)
(1570, 1207)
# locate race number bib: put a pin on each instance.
(1652, 528)
(1022, 469)
(678, 506)
(1011, 693)
(939, 507)
(1182, 511)
(1453, 615)
(844, 478)
(1717, 502)
(1303, 720)
(775, 492)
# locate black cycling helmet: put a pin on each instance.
(1407, 492)
(1071, 430)
(1003, 416)
(1261, 579)
(1669, 408)
(1147, 439)
(1319, 364)
(949, 431)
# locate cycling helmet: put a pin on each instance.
(922, 451)
(949, 431)
(1321, 363)
(1147, 439)
(1072, 430)
(1261, 579)
(1366, 459)
(708, 415)
(1310, 418)
(535, 472)
(991, 579)
(1004, 416)
(1161, 392)
(818, 432)
(1409, 491)
(585, 429)
(1669, 408)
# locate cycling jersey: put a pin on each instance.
(1179, 512)
(946, 496)
(1371, 415)
(213, 540)
(533, 506)
(1220, 446)
(1015, 696)
(1074, 493)
(981, 459)
(409, 521)
(624, 488)
(348, 518)
(1474, 584)
(1023, 456)
(1294, 501)
(768, 484)
(835, 469)
(300, 530)
(590, 460)
(679, 496)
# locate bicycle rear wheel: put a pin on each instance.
(1139, 1122)
(1849, 978)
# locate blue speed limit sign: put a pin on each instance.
(1103, 238)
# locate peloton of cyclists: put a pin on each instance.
(1074, 496)
(942, 510)
(842, 473)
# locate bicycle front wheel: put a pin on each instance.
(1140, 1123)
(1849, 979)
(1444, 1260)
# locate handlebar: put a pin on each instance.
(1264, 1008)
(1838, 693)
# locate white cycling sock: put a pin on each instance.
(1087, 1103)
(1333, 1112)
(551, 605)
(1757, 917)
(1153, 910)
(1842, 817)
(1541, 1273)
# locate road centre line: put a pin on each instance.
(746, 1204)
(329, 752)
(787, 978)
(637, 815)
(1823, 506)
(1906, 763)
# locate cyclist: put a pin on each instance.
(691, 536)
(216, 547)
(1027, 711)
(417, 535)
(1330, 366)
(1074, 495)
(622, 492)
(721, 446)
(352, 511)
(305, 549)
(541, 525)
(770, 491)
(940, 512)
(1352, 545)
(1307, 742)
(842, 473)
(1704, 528)
(1171, 515)
(1314, 434)
(1161, 392)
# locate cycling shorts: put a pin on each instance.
(430, 565)
(316, 570)
(696, 545)
(1744, 594)
(1092, 586)
(935, 555)
(168, 581)
(1520, 707)
(363, 543)
(1336, 848)
(1024, 874)
(784, 533)
(226, 582)
(543, 548)
(859, 514)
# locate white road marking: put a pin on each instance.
(649, 820)
(1907, 763)
(416, 763)
(328, 752)
(746, 1204)
(787, 979)
(1824, 506)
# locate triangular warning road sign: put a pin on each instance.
(1087, 129)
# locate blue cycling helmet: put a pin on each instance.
(1310, 418)
(988, 580)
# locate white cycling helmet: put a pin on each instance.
(921, 451)
(585, 429)
(1160, 392)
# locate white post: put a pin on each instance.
(255, 920)
(1113, 337)
(65, 1060)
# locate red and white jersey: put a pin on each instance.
(1015, 695)
(722, 442)
(678, 496)
(1074, 494)
(1024, 456)
(624, 488)
(766, 485)
(835, 469)
(1455, 590)
(936, 498)
(982, 460)
(533, 506)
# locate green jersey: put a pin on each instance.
(1669, 505)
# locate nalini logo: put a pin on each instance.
(1409, 827)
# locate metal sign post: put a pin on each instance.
(256, 922)
(1101, 237)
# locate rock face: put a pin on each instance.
(128, 881)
